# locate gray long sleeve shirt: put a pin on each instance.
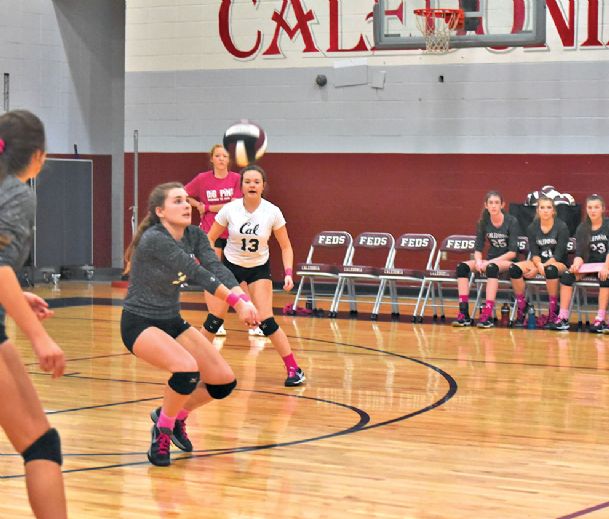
(160, 264)
(17, 214)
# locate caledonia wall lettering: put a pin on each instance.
(562, 16)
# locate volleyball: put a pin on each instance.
(245, 142)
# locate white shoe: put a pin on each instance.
(256, 331)
(221, 332)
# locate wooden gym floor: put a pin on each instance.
(396, 421)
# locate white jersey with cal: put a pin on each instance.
(249, 233)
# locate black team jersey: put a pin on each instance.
(599, 241)
(501, 239)
(552, 244)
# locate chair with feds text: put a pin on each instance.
(329, 250)
(377, 250)
(454, 248)
(410, 250)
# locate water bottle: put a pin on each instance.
(505, 314)
(531, 319)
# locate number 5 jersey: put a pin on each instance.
(249, 233)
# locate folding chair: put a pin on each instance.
(391, 276)
(348, 274)
(339, 245)
(455, 244)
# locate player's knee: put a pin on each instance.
(269, 326)
(184, 382)
(515, 271)
(567, 279)
(220, 391)
(212, 323)
(551, 272)
(492, 271)
(463, 270)
(47, 447)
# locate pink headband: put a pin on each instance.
(2, 145)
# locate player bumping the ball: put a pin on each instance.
(250, 222)
(165, 251)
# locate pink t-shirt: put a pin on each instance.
(206, 188)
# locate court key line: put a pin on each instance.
(362, 425)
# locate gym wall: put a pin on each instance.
(395, 141)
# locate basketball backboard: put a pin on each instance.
(488, 23)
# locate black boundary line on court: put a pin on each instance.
(585, 511)
(360, 426)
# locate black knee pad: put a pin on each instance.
(604, 284)
(212, 323)
(463, 270)
(492, 271)
(47, 447)
(515, 271)
(551, 272)
(269, 326)
(567, 279)
(184, 382)
(220, 391)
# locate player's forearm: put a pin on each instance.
(287, 257)
(16, 305)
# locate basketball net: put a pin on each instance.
(436, 25)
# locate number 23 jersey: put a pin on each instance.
(598, 245)
(249, 233)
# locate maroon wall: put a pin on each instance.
(395, 193)
(102, 206)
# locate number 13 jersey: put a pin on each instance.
(249, 233)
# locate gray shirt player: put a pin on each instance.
(501, 239)
(160, 264)
(17, 213)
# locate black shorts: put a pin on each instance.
(3, 336)
(220, 243)
(251, 274)
(132, 325)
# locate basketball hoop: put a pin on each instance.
(437, 26)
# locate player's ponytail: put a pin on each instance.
(21, 135)
(156, 199)
(587, 227)
(485, 215)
